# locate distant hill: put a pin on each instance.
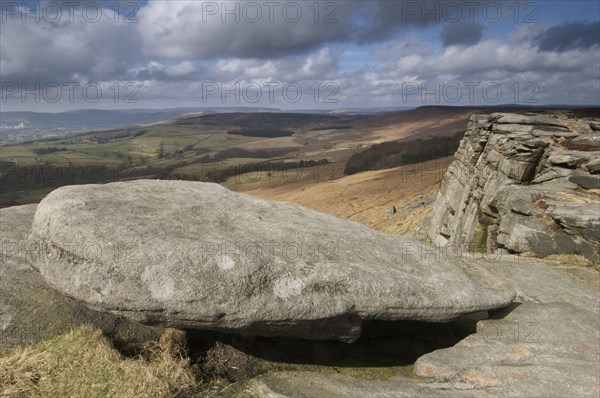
(261, 120)
(18, 127)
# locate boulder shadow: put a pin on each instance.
(383, 344)
(502, 312)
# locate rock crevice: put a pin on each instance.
(523, 184)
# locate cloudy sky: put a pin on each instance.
(57, 55)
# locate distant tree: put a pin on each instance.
(397, 153)
(45, 151)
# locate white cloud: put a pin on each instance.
(185, 68)
(168, 50)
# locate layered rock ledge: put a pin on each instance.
(523, 184)
(196, 255)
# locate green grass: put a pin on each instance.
(133, 157)
(480, 238)
(25, 197)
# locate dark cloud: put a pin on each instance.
(569, 36)
(389, 17)
(462, 34)
(207, 30)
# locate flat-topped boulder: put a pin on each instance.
(533, 120)
(196, 255)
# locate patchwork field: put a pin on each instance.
(216, 147)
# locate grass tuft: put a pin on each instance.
(83, 363)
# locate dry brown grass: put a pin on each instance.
(82, 363)
(573, 259)
(363, 197)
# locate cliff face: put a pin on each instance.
(523, 184)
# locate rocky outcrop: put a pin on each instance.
(523, 184)
(544, 346)
(30, 311)
(527, 353)
(196, 255)
(538, 281)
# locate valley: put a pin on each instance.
(217, 146)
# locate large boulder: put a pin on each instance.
(30, 310)
(196, 255)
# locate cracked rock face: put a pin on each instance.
(196, 255)
(523, 183)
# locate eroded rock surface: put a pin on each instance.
(523, 183)
(536, 350)
(548, 282)
(196, 255)
(547, 344)
(30, 310)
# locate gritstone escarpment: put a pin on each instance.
(196, 255)
(523, 184)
